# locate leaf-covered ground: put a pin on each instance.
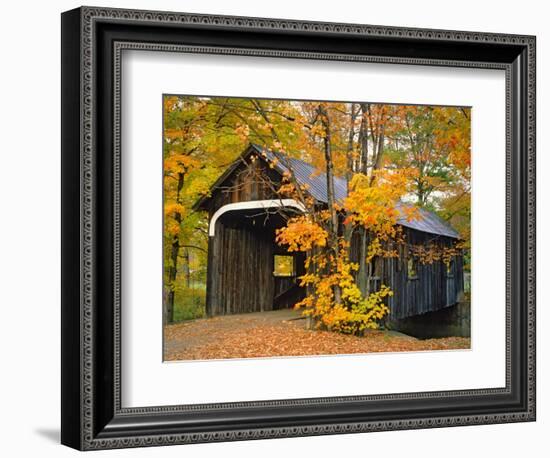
(257, 335)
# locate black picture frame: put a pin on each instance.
(92, 40)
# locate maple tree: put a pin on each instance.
(340, 297)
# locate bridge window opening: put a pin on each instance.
(283, 266)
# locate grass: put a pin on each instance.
(189, 304)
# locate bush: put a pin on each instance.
(361, 314)
(189, 304)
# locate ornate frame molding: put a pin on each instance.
(90, 434)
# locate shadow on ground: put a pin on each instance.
(53, 435)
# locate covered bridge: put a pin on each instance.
(249, 272)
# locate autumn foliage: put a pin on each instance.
(388, 155)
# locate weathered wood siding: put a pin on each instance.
(245, 185)
(432, 289)
(240, 271)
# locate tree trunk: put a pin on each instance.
(364, 140)
(333, 232)
(369, 168)
(379, 149)
(174, 254)
(350, 166)
(186, 269)
(362, 274)
(172, 274)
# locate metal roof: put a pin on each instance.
(427, 221)
(316, 182)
